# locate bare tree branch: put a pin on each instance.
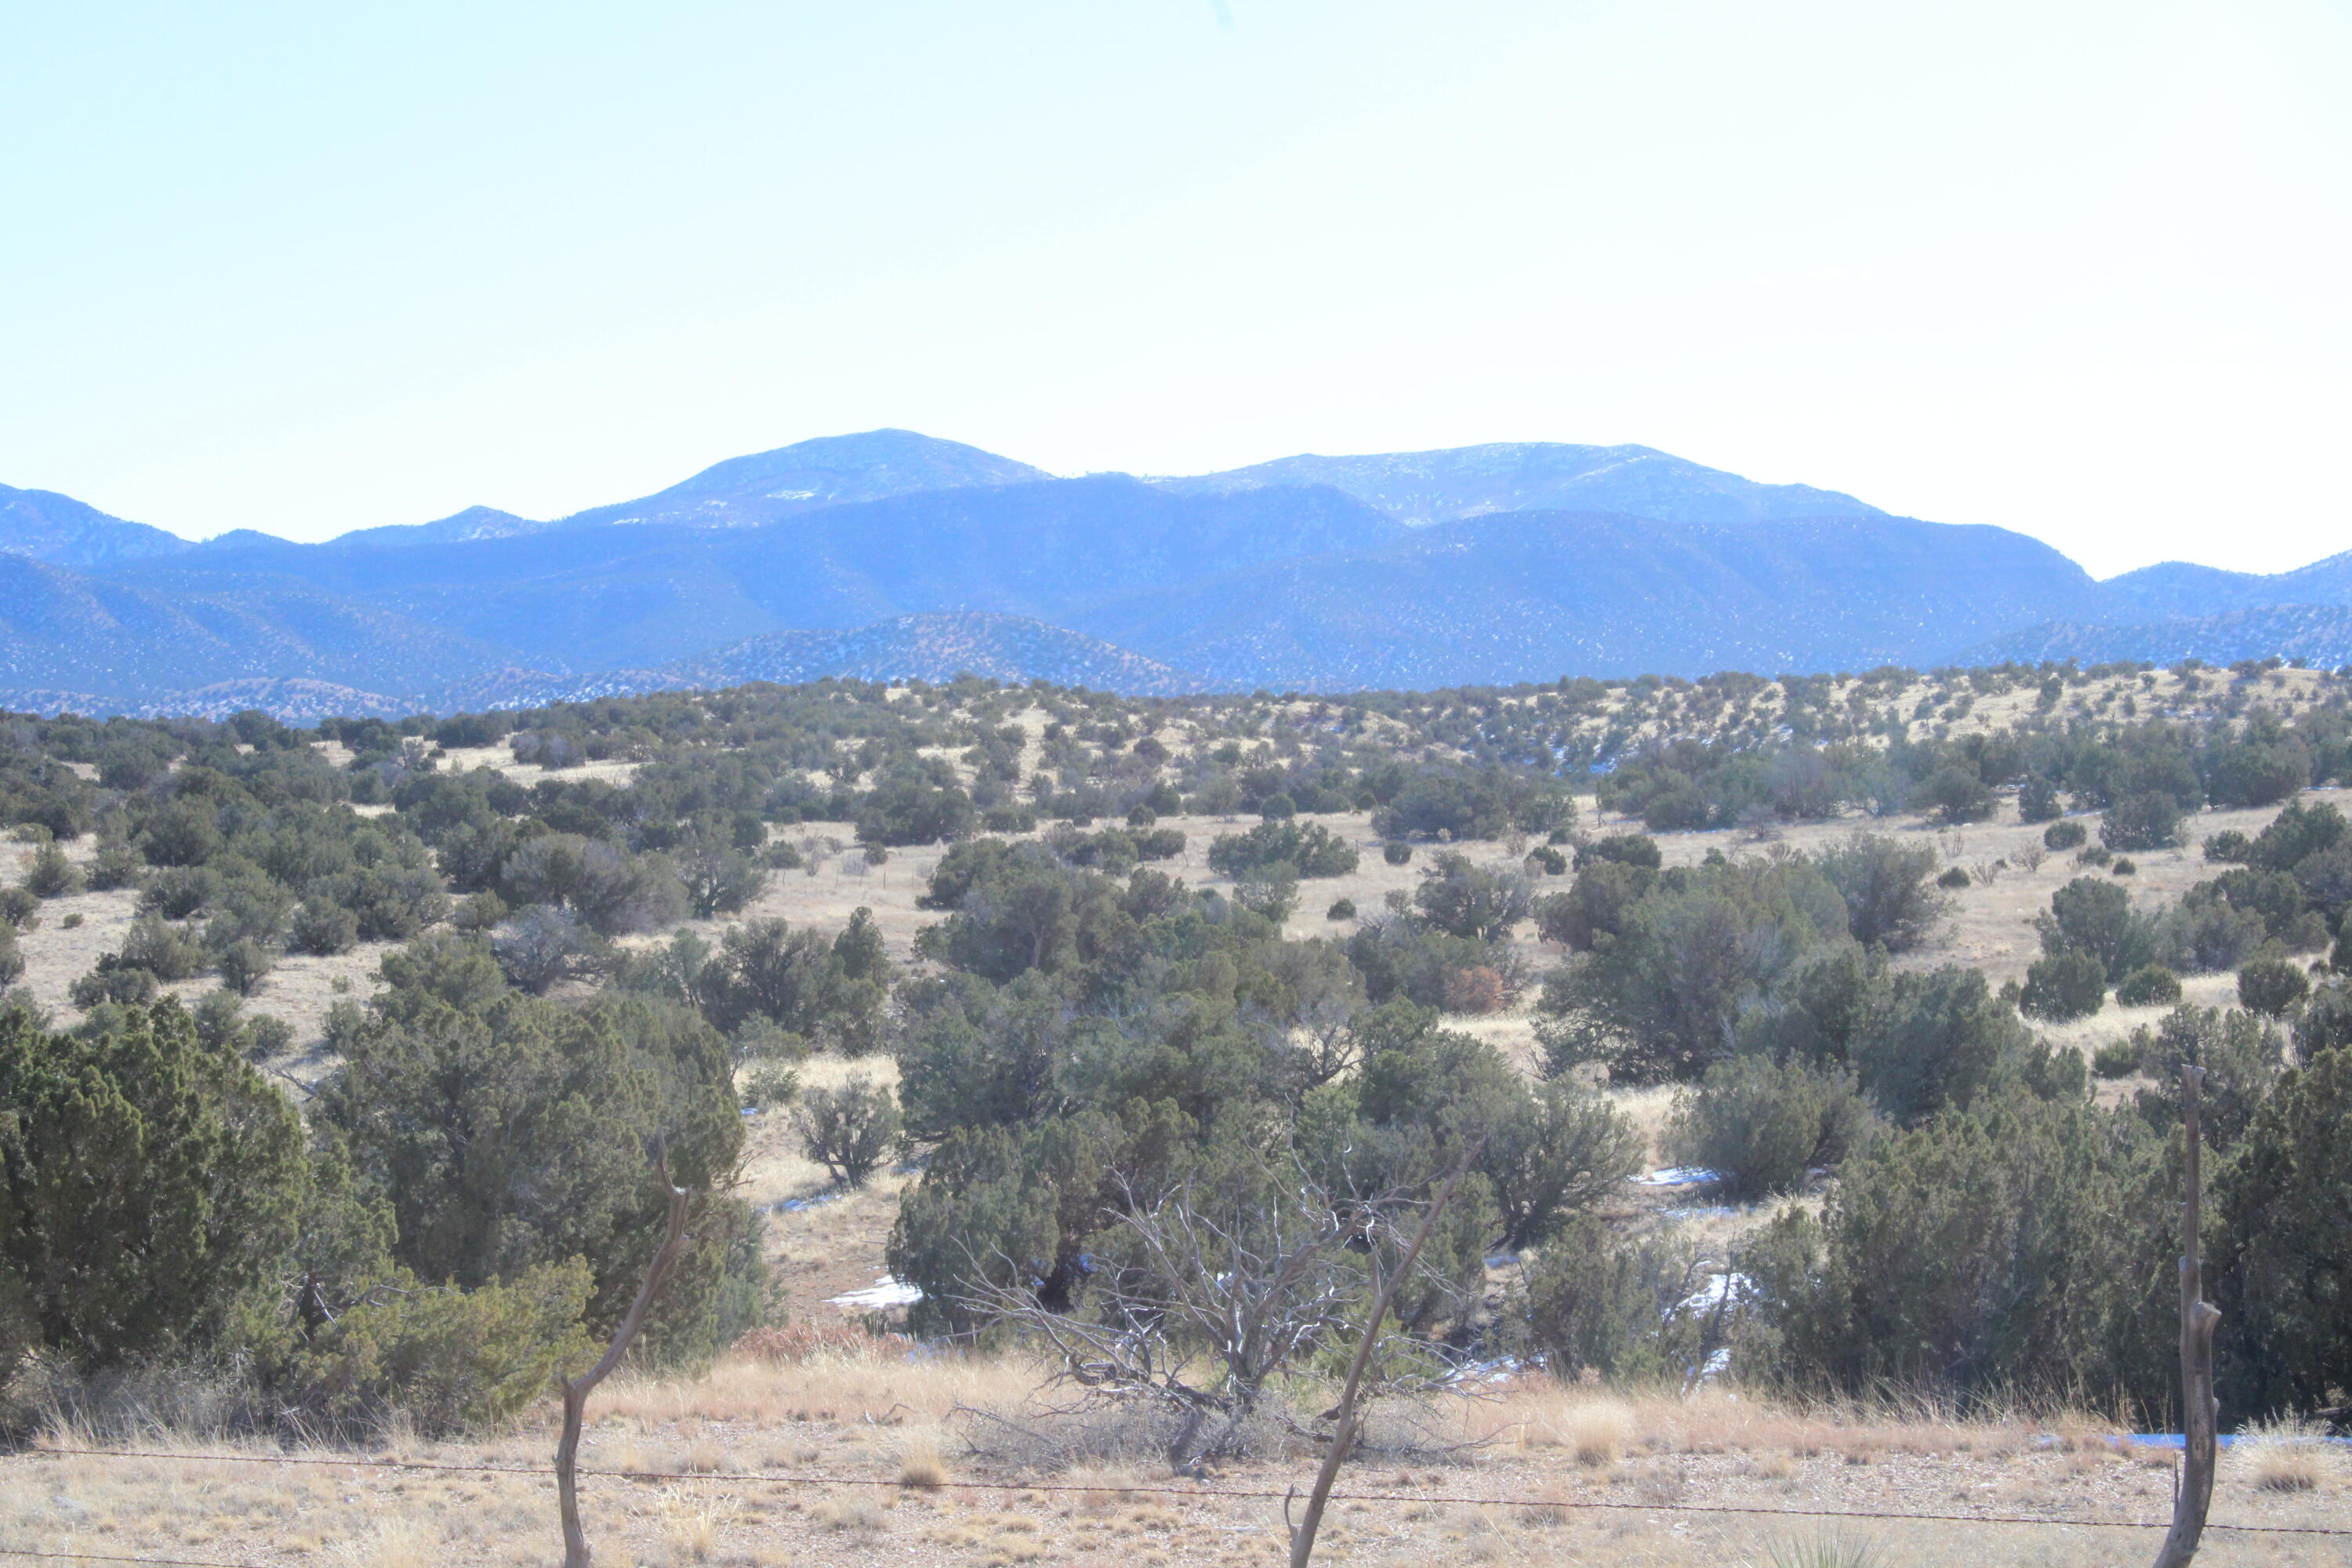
(1242, 1292)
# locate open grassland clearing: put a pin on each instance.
(896, 1468)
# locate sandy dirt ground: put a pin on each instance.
(500, 759)
(890, 1463)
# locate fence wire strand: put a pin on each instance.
(1197, 1493)
(105, 1557)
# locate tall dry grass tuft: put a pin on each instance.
(1595, 1428)
(1597, 1433)
(1651, 1109)
(132, 1406)
(696, 1525)
(1103, 1483)
(920, 1466)
(2285, 1469)
(1540, 1414)
(798, 1343)
(1827, 1550)
(2284, 1455)
(396, 1543)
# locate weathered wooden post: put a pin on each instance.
(575, 1390)
(1343, 1431)
(2198, 1318)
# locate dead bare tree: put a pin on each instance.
(1249, 1291)
(1343, 1433)
(2198, 1318)
(1324, 1039)
(1197, 1303)
(575, 1390)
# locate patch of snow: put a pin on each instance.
(1720, 1290)
(2175, 1440)
(794, 1206)
(1501, 1369)
(884, 1292)
(1677, 1176)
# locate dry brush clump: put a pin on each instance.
(1595, 1431)
(2287, 1455)
(854, 1379)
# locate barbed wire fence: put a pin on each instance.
(1198, 1493)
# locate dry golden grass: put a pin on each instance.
(1102, 1486)
(2287, 1456)
(1594, 1429)
(392, 1543)
(859, 1515)
(1576, 1475)
(865, 1388)
(694, 1526)
(920, 1466)
(2281, 1469)
(1650, 1106)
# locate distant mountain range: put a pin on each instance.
(1422, 488)
(63, 531)
(745, 492)
(894, 555)
(2318, 634)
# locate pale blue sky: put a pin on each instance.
(2074, 268)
